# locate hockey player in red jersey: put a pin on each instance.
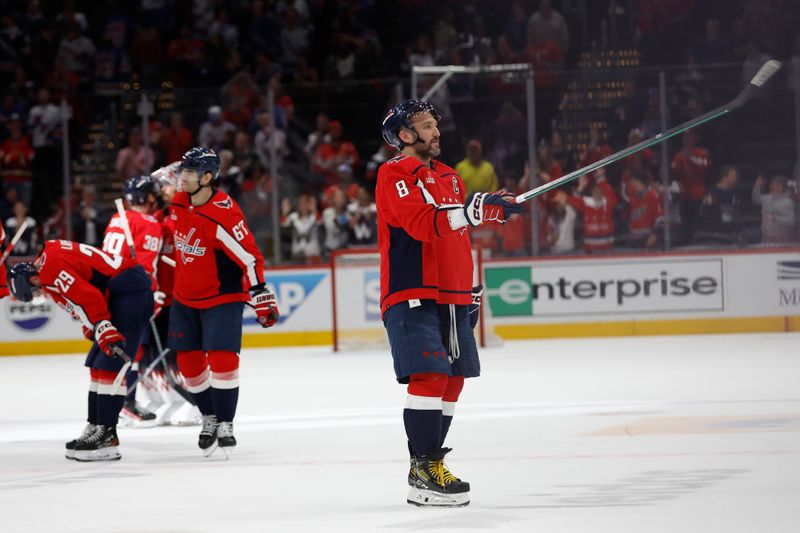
(111, 297)
(217, 265)
(141, 193)
(426, 289)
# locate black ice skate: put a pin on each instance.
(208, 435)
(435, 485)
(136, 416)
(88, 431)
(411, 474)
(102, 445)
(225, 438)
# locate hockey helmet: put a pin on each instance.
(19, 281)
(201, 160)
(401, 115)
(138, 188)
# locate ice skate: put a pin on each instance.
(227, 442)
(135, 416)
(102, 445)
(434, 485)
(208, 435)
(88, 431)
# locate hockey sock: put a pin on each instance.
(133, 374)
(454, 386)
(109, 402)
(194, 367)
(130, 377)
(91, 415)
(224, 383)
(422, 415)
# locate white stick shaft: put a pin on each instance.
(14, 240)
(126, 229)
(168, 260)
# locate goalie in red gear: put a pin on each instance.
(217, 265)
(111, 297)
(426, 289)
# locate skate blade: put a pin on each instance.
(128, 421)
(428, 498)
(210, 450)
(105, 454)
(227, 450)
(70, 454)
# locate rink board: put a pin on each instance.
(735, 292)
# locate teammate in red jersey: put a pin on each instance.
(426, 289)
(3, 287)
(141, 194)
(111, 297)
(217, 264)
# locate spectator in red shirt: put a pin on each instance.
(598, 212)
(646, 211)
(331, 154)
(176, 140)
(690, 167)
(16, 157)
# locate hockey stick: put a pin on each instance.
(766, 72)
(17, 236)
(117, 383)
(126, 229)
(162, 353)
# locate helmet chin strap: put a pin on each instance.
(199, 186)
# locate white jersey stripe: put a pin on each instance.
(243, 255)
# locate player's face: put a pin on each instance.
(190, 180)
(168, 193)
(428, 131)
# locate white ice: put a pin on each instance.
(653, 434)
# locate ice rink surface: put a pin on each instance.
(651, 434)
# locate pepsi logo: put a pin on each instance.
(28, 316)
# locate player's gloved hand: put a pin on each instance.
(265, 306)
(158, 303)
(108, 338)
(475, 306)
(494, 207)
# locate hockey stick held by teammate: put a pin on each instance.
(765, 73)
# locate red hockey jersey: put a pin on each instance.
(422, 257)
(216, 256)
(75, 276)
(166, 273)
(3, 282)
(146, 232)
(646, 211)
(598, 217)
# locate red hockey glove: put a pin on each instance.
(495, 207)
(108, 338)
(263, 301)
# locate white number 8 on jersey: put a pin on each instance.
(402, 189)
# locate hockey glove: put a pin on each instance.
(265, 306)
(495, 207)
(475, 306)
(158, 303)
(108, 338)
